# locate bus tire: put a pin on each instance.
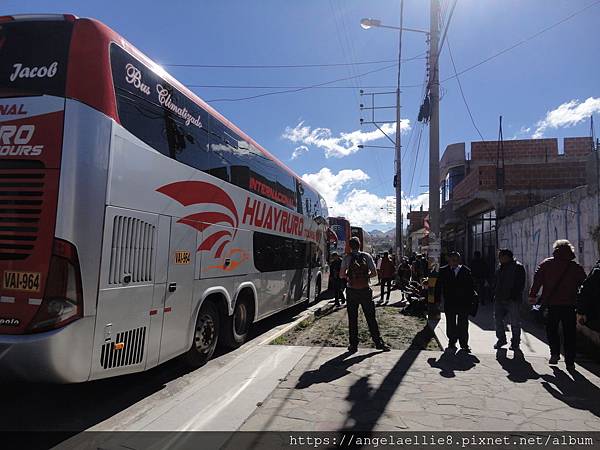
(236, 327)
(206, 335)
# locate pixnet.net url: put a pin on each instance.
(431, 440)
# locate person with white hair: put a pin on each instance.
(559, 277)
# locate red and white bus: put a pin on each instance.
(364, 237)
(136, 222)
(341, 228)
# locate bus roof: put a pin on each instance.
(89, 79)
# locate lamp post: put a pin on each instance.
(366, 24)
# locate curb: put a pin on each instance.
(441, 340)
(318, 309)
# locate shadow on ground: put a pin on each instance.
(363, 398)
(451, 362)
(72, 408)
(576, 390)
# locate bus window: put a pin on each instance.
(145, 121)
(273, 253)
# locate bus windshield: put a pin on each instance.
(33, 57)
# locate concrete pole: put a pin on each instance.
(398, 147)
(434, 136)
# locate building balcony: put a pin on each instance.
(448, 214)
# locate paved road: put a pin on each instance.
(130, 402)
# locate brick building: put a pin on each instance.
(500, 179)
(417, 230)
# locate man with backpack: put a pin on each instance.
(357, 268)
(560, 278)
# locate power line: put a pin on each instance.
(291, 66)
(468, 69)
(303, 88)
(462, 92)
(234, 86)
(416, 159)
(523, 41)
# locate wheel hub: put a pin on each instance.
(205, 333)
(240, 318)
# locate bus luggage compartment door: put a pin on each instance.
(177, 312)
(128, 274)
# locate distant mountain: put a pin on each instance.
(377, 233)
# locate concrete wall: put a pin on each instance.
(531, 232)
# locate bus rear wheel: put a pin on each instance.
(237, 327)
(206, 335)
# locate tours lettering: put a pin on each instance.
(14, 141)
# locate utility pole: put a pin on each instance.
(398, 148)
(434, 136)
(366, 24)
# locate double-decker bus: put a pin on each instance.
(136, 222)
(365, 238)
(341, 228)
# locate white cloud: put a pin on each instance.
(301, 149)
(339, 146)
(330, 185)
(567, 115)
(358, 205)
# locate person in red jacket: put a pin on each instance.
(560, 278)
(387, 275)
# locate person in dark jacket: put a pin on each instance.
(588, 300)
(560, 278)
(509, 283)
(338, 283)
(455, 286)
(480, 272)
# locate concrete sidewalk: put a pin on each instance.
(482, 335)
(331, 390)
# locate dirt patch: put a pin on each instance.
(331, 330)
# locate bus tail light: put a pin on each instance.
(63, 297)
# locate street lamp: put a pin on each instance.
(366, 24)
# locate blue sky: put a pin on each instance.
(526, 85)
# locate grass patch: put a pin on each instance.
(331, 330)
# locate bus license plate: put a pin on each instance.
(21, 281)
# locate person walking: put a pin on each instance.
(588, 300)
(480, 272)
(357, 268)
(338, 284)
(387, 275)
(455, 287)
(560, 278)
(509, 282)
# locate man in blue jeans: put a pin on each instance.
(508, 295)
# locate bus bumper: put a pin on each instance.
(57, 356)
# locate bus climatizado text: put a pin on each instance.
(136, 223)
